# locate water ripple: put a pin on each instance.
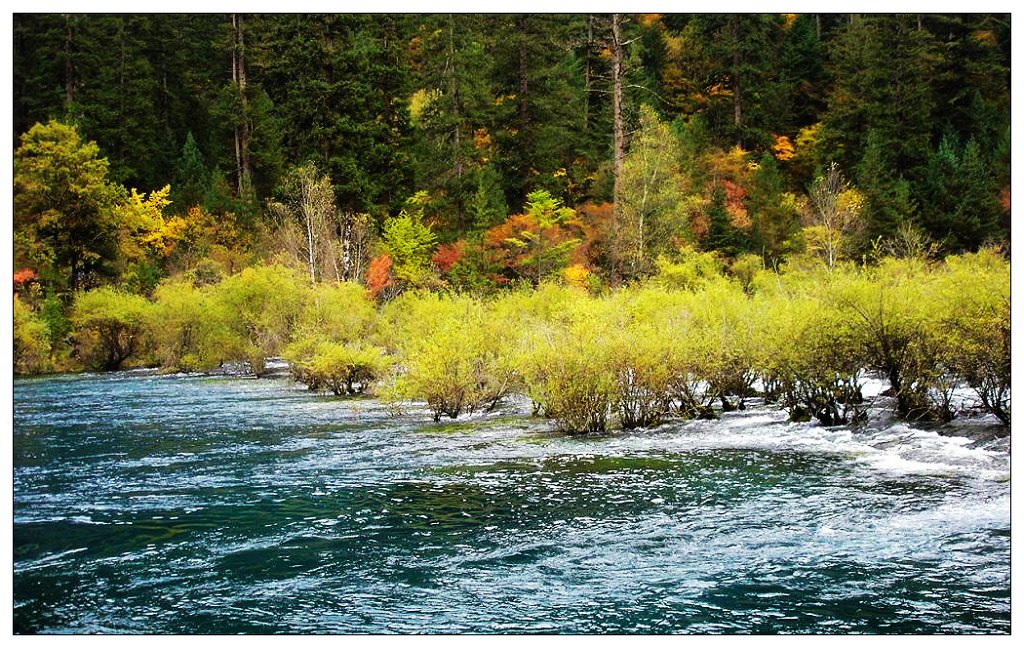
(184, 504)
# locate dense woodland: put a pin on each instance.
(453, 208)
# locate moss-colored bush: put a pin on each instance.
(190, 329)
(567, 365)
(109, 327)
(976, 322)
(342, 369)
(452, 353)
(31, 340)
(262, 304)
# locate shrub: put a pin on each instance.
(452, 353)
(262, 304)
(342, 369)
(31, 340)
(109, 327)
(819, 362)
(189, 328)
(567, 367)
(976, 290)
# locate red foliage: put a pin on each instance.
(599, 234)
(22, 277)
(379, 276)
(735, 195)
(448, 254)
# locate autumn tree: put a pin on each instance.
(834, 215)
(653, 196)
(308, 202)
(63, 203)
(538, 242)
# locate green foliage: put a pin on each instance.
(653, 197)
(689, 269)
(342, 369)
(960, 196)
(409, 242)
(452, 354)
(814, 360)
(109, 327)
(310, 223)
(888, 309)
(31, 351)
(264, 304)
(567, 370)
(190, 328)
(191, 177)
(976, 289)
(62, 206)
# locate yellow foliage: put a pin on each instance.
(783, 148)
(807, 140)
(576, 275)
(143, 229)
(850, 201)
(420, 101)
(481, 139)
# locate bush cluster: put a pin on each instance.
(803, 337)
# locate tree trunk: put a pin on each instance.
(69, 68)
(737, 89)
(587, 73)
(453, 91)
(524, 77)
(242, 128)
(619, 130)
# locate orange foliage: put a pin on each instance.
(783, 148)
(598, 232)
(699, 225)
(379, 276)
(650, 20)
(514, 244)
(448, 254)
(24, 276)
(735, 196)
(1004, 199)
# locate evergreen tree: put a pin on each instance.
(191, 177)
(889, 203)
(722, 236)
(884, 69)
(338, 83)
(63, 225)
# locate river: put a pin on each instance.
(218, 505)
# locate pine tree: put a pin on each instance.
(191, 178)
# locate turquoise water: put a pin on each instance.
(184, 504)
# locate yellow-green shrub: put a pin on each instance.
(451, 351)
(31, 340)
(109, 327)
(567, 366)
(819, 362)
(190, 330)
(263, 304)
(342, 369)
(976, 290)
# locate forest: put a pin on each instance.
(621, 217)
